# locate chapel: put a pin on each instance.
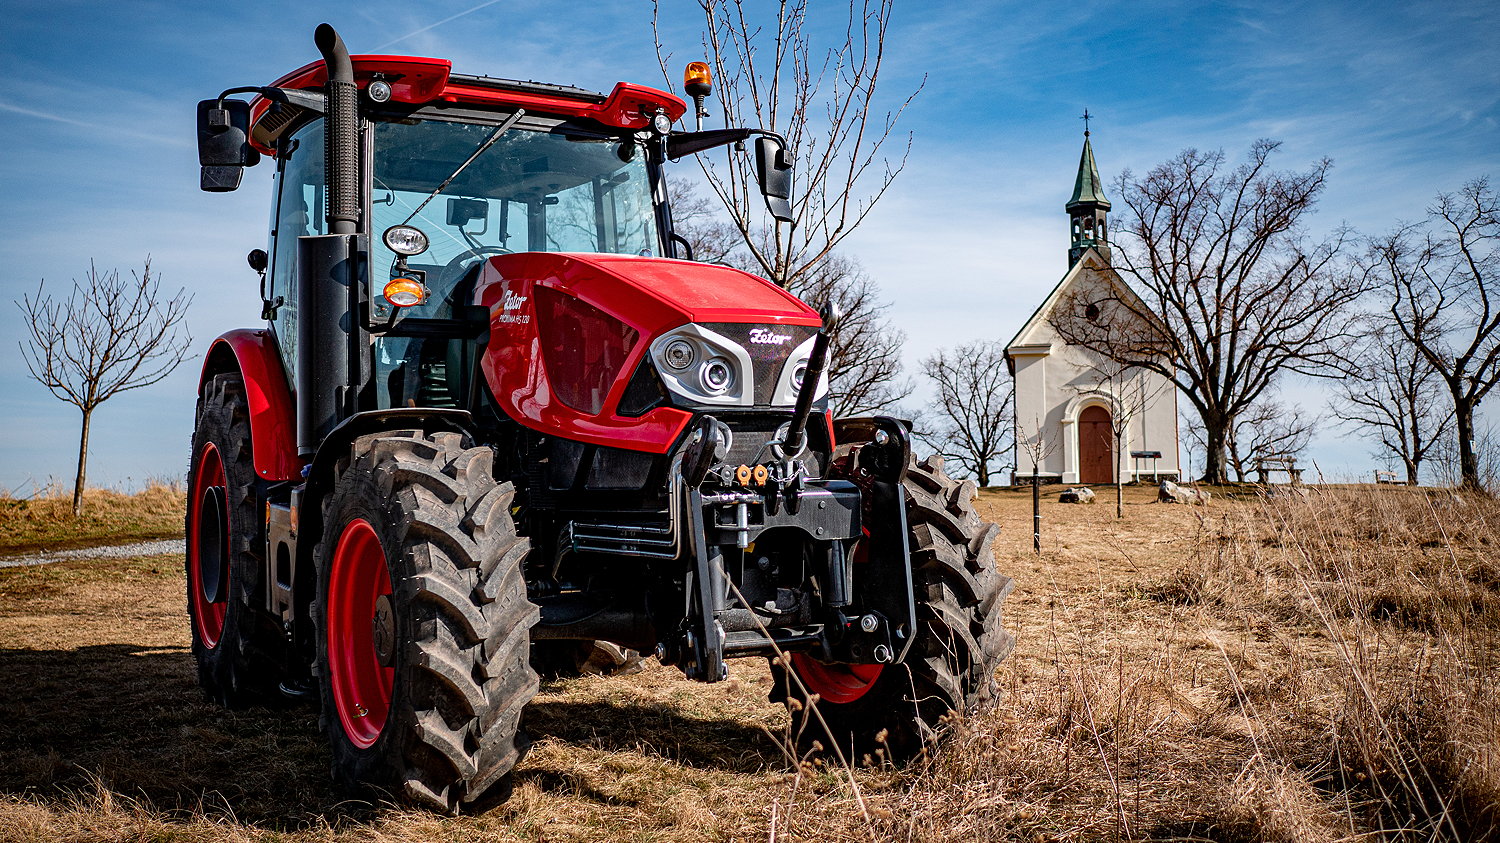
(1081, 419)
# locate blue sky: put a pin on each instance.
(98, 159)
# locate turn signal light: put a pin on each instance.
(697, 81)
(405, 292)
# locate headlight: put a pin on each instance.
(717, 376)
(405, 240)
(704, 367)
(679, 354)
(793, 373)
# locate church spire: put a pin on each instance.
(1088, 209)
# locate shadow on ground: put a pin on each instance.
(133, 719)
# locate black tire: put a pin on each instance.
(240, 665)
(568, 659)
(960, 641)
(458, 645)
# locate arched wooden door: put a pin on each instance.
(1096, 446)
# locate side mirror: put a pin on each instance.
(224, 149)
(773, 166)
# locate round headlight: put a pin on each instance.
(717, 376)
(799, 374)
(405, 240)
(379, 91)
(661, 123)
(679, 354)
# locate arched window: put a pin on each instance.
(1101, 231)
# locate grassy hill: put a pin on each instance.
(1299, 668)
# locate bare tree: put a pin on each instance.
(770, 75)
(108, 336)
(1037, 447)
(1266, 430)
(864, 360)
(1442, 278)
(1395, 396)
(971, 422)
(1269, 430)
(1231, 294)
(864, 356)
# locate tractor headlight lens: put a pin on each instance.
(717, 376)
(799, 374)
(679, 354)
(661, 123)
(405, 240)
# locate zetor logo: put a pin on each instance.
(766, 336)
(511, 301)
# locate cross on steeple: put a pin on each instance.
(1085, 119)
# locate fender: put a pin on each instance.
(273, 421)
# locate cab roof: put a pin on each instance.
(419, 81)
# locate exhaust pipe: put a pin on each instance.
(331, 348)
(341, 139)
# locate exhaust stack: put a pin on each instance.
(341, 144)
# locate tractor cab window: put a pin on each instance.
(529, 190)
(298, 212)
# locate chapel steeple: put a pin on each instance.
(1088, 209)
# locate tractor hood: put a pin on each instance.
(651, 294)
(571, 338)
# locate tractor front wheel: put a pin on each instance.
(891, 712)
(235, 646)
(423, 626)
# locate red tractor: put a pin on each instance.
(494, 418)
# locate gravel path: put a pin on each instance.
(152, 548)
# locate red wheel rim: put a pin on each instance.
(361, 684)
(208, 615)
(836, 683)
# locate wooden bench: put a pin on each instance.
(1385, 477)
(1264, 467)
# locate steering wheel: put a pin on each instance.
(460, 262)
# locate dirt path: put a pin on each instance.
(150, 548)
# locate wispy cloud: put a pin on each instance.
(84, 124)
(432, 26)
(31, 112)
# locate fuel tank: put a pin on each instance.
(576, 344)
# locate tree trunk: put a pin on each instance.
(1468, 461)
(984, 474)
(83, 464)
(1215, 462)
(1411, 472)
(1036, 511)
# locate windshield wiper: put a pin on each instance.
(488, 142)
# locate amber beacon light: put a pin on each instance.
(698, 83)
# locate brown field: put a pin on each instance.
(1314, 668)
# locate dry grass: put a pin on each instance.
(1316, 668)
(46, 521)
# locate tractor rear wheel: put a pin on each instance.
(234, 645)
(891, 712)
(423, 626)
